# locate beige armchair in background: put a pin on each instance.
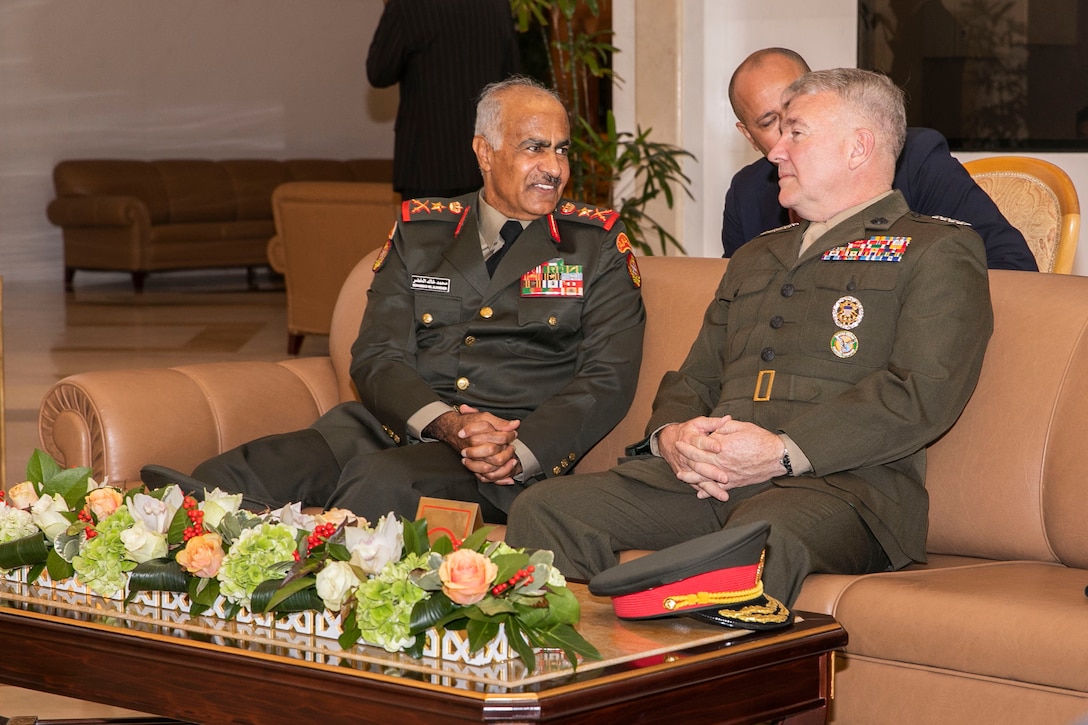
(322, 230)
(1040, 200)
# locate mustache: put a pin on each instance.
(554, 180)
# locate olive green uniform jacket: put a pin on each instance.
(862, 420)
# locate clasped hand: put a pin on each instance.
(485, 441)
(715, 455)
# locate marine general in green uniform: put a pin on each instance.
(501, 340)
(834, 351)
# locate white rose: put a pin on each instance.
(291, 515)
(340, 517)
(142, 544)
(22, 495)
(370, 549)
(335, 582)
(218, 504)
(48, 512)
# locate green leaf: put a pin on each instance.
(428, 612)
(298, 595)
(70, 484)
(477, 539)
(58, 568)
(563, 605)
(509, 565)
(157, 575)
(67, 543)
(516, 638)
(176, 533)
(41, 467)
(480, 633)
(203, 592)
(568, 639)
(34, 572)
(21, 552)
(349, 630)
(415, 536)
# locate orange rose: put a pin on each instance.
(104, 501)
(466, 576)
(202, 555)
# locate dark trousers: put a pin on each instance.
(345, 460)
(587, 519)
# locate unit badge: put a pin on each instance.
(632, 269)
(844, 344)
(848, 312)
(623, 244)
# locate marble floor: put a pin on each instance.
(180, 318)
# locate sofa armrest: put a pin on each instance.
(117, 421)
(99, 211)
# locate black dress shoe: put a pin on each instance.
(155, 476)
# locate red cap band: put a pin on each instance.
(651, 602)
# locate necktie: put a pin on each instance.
(509, 232)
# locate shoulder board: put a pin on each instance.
(950, 220)
(779, 229)
(432, 210)
(586, 214)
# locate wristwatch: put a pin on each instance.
(785, 461)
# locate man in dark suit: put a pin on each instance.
(931, 180)
(833, 352)
(502, 339)
(442, 53)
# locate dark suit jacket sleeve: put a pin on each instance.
(936, 184)
(390, 47)
(751, 205)
(601, 391)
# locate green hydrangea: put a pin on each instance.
(259, 554)
(101, 563)
(383, 608)
(15, 523)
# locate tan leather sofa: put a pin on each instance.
(994, 629)
(151, 216)
(323, 228)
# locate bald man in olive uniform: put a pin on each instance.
(834, 351)
(502, 339)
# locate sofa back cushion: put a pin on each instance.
(114, 177)
(1008, 480)
(253, 181)
(198, 190)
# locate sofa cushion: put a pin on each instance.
(254, 180)
(1021, 621)
(114, 178)
(211, 232)
(198, 190)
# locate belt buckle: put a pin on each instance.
(767, 375)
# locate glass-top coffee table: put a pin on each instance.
(666, 670)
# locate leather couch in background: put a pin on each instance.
(994, 629)
(151, 216)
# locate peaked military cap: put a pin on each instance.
(716, 578)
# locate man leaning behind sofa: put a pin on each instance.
(474, 383)
(834, 351)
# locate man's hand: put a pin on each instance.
(716, 455)
(485, 441)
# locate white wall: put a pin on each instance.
(184, 79)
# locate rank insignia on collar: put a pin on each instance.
(412, 207)
(873, 249)
(938, 217)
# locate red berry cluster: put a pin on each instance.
(195, 515)
(1, 494)
(85, 517)
(321, 534)
(525, 574)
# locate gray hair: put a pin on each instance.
(489, 107)
(869, 95)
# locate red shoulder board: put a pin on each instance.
(604, 218)
(436, 210)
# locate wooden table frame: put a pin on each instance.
(784, 675)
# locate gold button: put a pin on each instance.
(470, 340)
(557, 470)
(571, 457)
(564, 464)
(427, 318)
(462, 383)
(553, 321)
(486, 313)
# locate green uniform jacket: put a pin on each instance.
(438, 328)
(862, 420)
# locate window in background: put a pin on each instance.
(988, 74)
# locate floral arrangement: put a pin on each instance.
(386, 582)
